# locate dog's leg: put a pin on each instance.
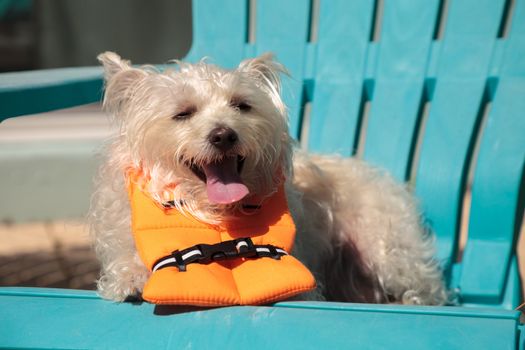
(331, 254)
(122, 272)
(378, 219)
(390, 235)
(122, 278)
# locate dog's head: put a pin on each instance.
(218, 134)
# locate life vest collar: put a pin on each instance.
(244, 261)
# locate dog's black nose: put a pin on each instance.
(223, 138)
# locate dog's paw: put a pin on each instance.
(134, 299)
(436, 296)
(117, 291)
(121, 284)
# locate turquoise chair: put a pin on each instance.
(439, 80)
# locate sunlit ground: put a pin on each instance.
(56, 254)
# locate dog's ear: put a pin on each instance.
(265, 69)
(112, 64)
(267, 72)
(120, 78)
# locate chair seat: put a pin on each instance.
(73, 318)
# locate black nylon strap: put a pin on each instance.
(227, 250)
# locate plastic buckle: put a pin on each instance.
(226, 250)
(247, 250)
(274, 254)
(181, 265)
(217, 252)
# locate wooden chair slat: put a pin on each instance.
(343, 38)
(282, 27)
(459, 95)
(405, 45)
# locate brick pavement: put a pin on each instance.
(53, 254)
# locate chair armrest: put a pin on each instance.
(50, 318)
(44, 90)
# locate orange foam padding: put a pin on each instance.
(242, 281)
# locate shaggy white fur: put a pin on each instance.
(358, 231)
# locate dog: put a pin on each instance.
(358, 231)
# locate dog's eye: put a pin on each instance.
(185, 113)
(241, 105)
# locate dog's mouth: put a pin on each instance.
(223, 179)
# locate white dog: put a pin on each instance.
(358, 231)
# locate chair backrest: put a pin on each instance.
(419, 84)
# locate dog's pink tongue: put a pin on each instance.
(223, 182)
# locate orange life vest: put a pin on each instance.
(168, 241)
